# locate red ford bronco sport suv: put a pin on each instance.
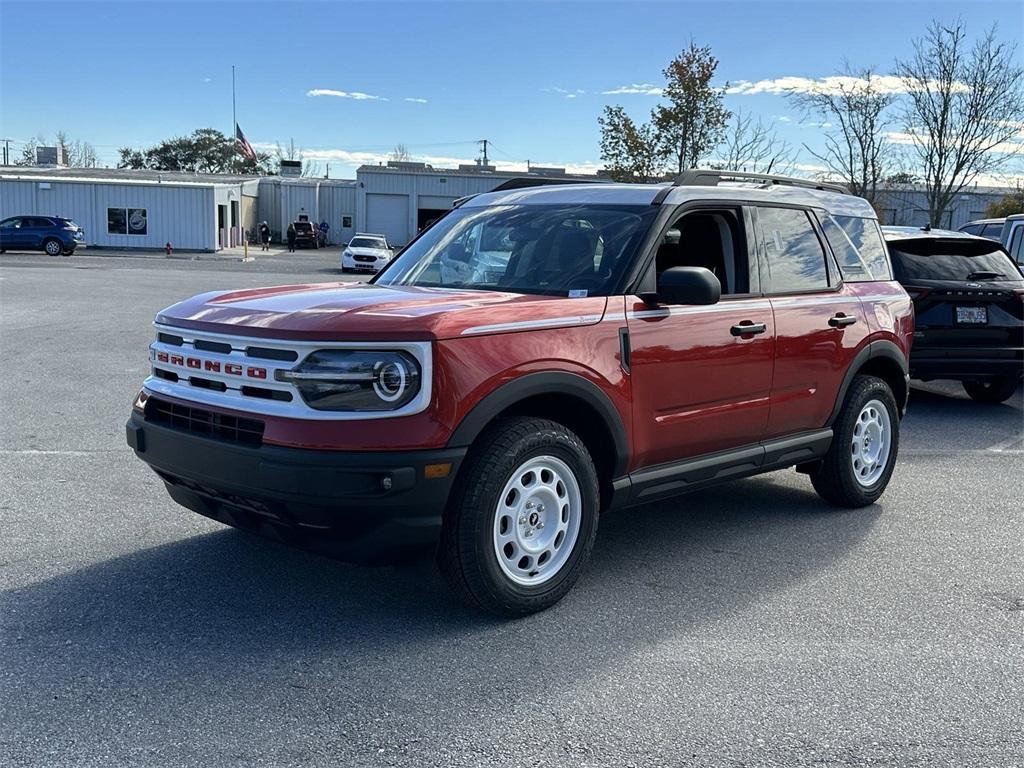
(540, 355)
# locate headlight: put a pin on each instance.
(355, 380)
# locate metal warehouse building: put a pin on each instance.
(136, 209)
(206, 212)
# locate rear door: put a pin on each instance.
(34, 229)
(819, 322)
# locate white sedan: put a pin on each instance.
(366, 253)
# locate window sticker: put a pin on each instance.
(578, 293)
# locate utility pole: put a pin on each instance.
(7, 150)
(483, 143)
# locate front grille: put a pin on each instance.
(197, 421)
(362, 257)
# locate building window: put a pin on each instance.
(137, 221)
(127, 221)
(117, 221)
(346, 222)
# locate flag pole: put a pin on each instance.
(234, 117)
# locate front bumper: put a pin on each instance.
(363, 507)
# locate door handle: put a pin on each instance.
(840, 320)
(748, 328)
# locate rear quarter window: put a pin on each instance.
(859, 248)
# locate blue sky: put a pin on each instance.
(531, 77)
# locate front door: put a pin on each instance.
(700, 384)
(701, 375)
(11, 235)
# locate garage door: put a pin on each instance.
(388, 215)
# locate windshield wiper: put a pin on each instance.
(984, 275)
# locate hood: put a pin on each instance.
(360, 311)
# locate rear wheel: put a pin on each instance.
(53, 247)
(522, 519)
(995, 390)
(865, 441)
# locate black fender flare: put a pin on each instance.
(882, 348)
(545, 383)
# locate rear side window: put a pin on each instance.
(871, 259)
(38, 223)
(992, 231)
(1017, 245)
(793, 252)
(971, 229)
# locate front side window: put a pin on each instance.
(793, 252)
(555, 250)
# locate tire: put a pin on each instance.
(531, 484)
(53, 247)
(865, 443)
(996, 390)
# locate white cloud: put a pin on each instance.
(357, 95)
(414, 100)
(785, 119)
(1011, 147)
(570, 95)
(207, 79)
(833, 84)
(644, 89)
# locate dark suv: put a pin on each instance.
(53, 234)
(308, 235)
(969, 301)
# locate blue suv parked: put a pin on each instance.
(53, 234)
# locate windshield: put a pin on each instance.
(552, 250)
(915, 263)
(365, 242)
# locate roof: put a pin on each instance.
(644, 194)
(998, 220)
(145, 176)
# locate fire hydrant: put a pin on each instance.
(168, 248)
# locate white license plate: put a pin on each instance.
(972, 315)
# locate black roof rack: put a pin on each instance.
(707, 178)
(522, 182)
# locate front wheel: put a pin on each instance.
(995, 390)
(522, 518)
(865, 441)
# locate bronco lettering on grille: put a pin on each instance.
(198, 363)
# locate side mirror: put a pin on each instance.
(685, 285)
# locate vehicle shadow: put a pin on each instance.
(247, 619)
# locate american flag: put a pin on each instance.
(247, 149)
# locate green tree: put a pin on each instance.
(206, 150)
(694, 121)
(630, 152)
(1007, 206)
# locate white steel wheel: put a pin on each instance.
(871, 443)
(537, 520)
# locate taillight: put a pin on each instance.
(915, 292)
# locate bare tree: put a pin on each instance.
(630, 152)
(753, 146)
(400, 154)
(855, 113)
(79, 154)
(693, 122)
(963, 108)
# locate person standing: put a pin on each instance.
(291, 238)
(324, 229)
(264, 236)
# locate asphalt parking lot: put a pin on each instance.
(743, 626)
